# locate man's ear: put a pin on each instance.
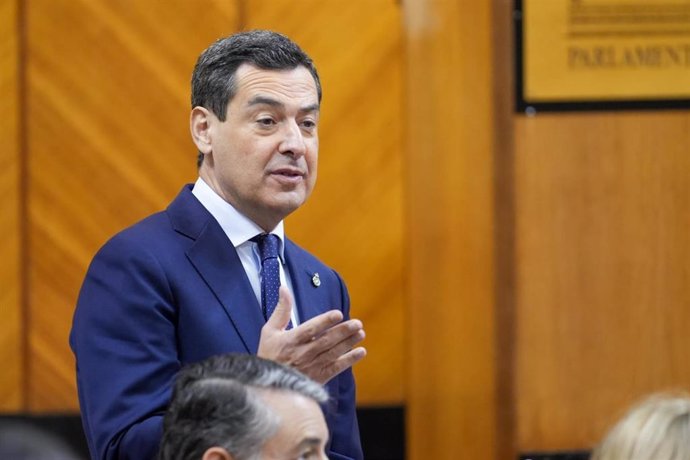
(200, 121)
(216, 453)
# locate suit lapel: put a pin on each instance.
(301, 274)
(216, 260)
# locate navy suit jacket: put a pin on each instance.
(168, 291)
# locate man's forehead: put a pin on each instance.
(288, 401)
(302, 422)
(254, 81)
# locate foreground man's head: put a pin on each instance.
(242, 407)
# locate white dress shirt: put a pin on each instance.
(240, 230)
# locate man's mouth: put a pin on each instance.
(288, 172)
(289, 175)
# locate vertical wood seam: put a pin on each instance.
(23, 206)
(504, 227)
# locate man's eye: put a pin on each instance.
(309, 124)
(266, 121)
(309, 455)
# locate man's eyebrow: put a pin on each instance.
(310, 108)
(310, 442)
(265, 100)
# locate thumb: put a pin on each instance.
(281, 315)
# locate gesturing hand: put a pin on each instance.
(320, 348)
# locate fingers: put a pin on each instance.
(309, 330)
(349, 359)
(331, 344)
(344, 362)
(321, 347)
(332, 348)
(281, 315)
(345, 334)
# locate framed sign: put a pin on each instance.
(602, 54)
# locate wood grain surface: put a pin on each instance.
(451, 396)
(108, 143)
(12, 390)
(602, 269)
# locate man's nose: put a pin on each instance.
(293, 140)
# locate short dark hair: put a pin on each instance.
(215, 403)
(213, 79)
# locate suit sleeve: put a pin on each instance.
(123, 338)
(345, 442)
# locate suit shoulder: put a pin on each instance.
(149, 233)
(147, 228)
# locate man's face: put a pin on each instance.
(302, 433)
(262, 159)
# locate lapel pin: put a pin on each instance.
(315, 280)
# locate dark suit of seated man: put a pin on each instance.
(188, 283)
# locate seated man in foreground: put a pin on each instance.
(242, 407)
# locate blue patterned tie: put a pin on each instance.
(270, 272)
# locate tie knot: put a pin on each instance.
(268, 245)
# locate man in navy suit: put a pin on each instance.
(185, 284)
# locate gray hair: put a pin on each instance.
(656, 429)
(217, 403)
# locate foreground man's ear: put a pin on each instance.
(216, 453)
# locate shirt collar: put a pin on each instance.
(238, 227)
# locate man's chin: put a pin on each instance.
(279, 209)
(288, 207)
(289, 201)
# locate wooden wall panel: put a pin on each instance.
(602, 269)
(11, 348)
(354, 219)
(449, 199)
(108, 143)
